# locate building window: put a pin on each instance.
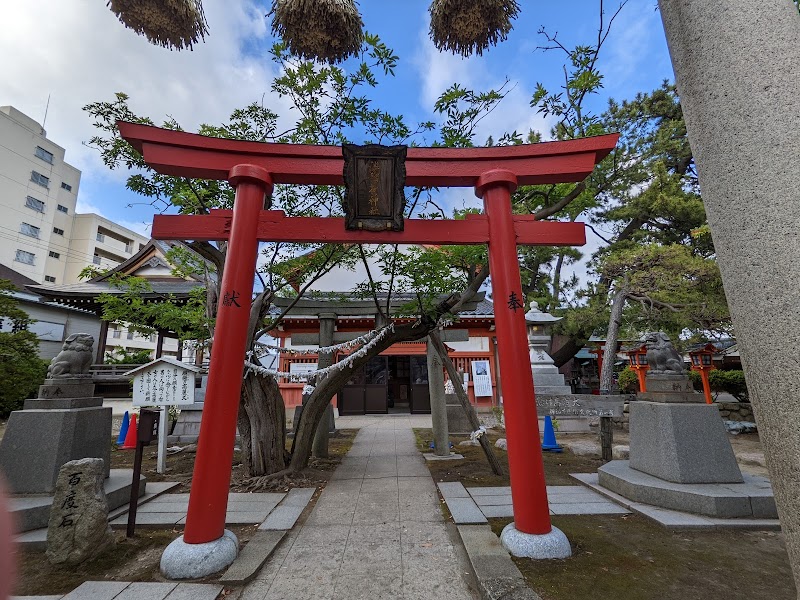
(58, 231)
(35, 204)
(29, 230)
(44, 155)
(130, 335)
(152, 337)
(54, 254)
(49, 279)
(25, 257)
(37, 177)
(116, 334)
(129, 247)
(66, 186)
(101, 237)
(63, 208)
(96, 259)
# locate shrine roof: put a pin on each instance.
(83, 295)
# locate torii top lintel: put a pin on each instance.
(192, 155)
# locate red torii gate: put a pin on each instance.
(253, 167)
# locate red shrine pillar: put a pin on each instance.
(528, 490)
(208, 500)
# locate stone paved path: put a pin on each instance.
(376, 531)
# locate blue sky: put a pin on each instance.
(83, 54)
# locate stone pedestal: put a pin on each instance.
(52, 430)
(681, 458)
(681, 443)
(670, 387)
(457, 420)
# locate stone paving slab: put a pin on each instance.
(123, 590)
(168, 510)
(672, 519)
(464, 511)
(252, 557)
(588, 508)
(366, 537)
(146, 591)
(498, 576)
(452, 489)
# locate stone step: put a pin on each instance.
(33, 512)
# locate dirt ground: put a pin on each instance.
(632, 558)
(629, 557)
(137, 558)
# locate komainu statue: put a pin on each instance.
(74, 359)
(661, 354)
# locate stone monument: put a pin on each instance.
(78, 528)
(66, 422)
(677, 441)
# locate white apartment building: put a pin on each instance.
(41, 236)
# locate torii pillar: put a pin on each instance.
(737, 67)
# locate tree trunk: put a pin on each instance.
(262, 426)
(458, 387)
(612, 338)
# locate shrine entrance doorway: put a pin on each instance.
(395, 384)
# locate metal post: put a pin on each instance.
(161, 460)
(526, 467)
(208, 499)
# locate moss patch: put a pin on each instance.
(631, 558)
(474, 470)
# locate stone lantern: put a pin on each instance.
(546, 377)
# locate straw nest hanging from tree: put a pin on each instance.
(174, 24)
(467, 26)
(325, 30)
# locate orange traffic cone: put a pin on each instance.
(130, 437)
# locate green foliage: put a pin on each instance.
(21, 369)
(628, 381)
(696, 379)
(138, 310)
(127, 356)
(669, 288)
(731, 382)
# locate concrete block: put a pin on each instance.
(452, 489)
(252, 558)
(487, 491)
(282, 518)
(97, 590)
(714, 500)
(682, 443)
(62, 403)
(195, 591)
(146, 591)
(457, 421)
(37, 442)
(497, 575)
(499, 511)
(299, 497)
(464, 510)
(593, 508)
(69, 387)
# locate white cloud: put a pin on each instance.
(439, 70)
(78, 52)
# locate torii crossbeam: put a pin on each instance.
(252, 168)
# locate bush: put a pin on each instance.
(124, 356)
(21, 370)
(731, 382)
(628, 381)
(697, 380)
